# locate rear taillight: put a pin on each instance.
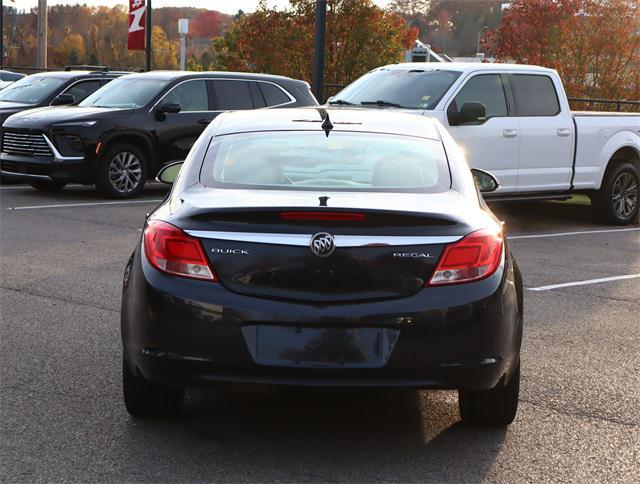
(170, 250)
(475, 257)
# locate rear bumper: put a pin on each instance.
(188, 371)
(186, 333)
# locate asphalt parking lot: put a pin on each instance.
(61, 260)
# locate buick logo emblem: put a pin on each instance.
(322, 244)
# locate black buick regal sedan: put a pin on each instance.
(324, 247)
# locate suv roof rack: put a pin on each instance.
(85, 67)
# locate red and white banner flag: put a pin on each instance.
(137, 25)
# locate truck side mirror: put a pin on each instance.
(63, 100)
(470, 113)
(473, 112)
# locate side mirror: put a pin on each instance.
(172, 108)
(485, 181)
(169, 173)
(63, 100)
(470, 113)
(473, 112)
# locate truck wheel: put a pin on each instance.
(47, 185)
(617, 199)
(144, 398)
(122, 172)
(495, 407)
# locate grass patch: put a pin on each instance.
(576, 200)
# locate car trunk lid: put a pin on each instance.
(326, 255)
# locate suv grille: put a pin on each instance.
(25, 144)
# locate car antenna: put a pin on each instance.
(323, 200)
(327, 125)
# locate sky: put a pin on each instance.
(226, 6)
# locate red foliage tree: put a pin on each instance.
(206, 24)
(594, 44)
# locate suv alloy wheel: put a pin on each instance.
(123, 171)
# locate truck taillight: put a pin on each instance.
(170, 250)
(476, 256)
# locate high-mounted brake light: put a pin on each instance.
(325, 216)
(475, 257)
(170, 250)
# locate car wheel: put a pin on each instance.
(618, 199)
(47, 185)
(144, 398)
(122, 172)
(495, 407)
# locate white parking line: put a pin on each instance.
(564, 234)
(29, 187)
(88, 204)
(583, 283)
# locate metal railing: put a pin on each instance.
(620, 104)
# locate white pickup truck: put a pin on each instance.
(515, 122)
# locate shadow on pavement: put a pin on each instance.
(320, 434)
(541, 217)
(81, 193)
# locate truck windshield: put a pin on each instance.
(414, 88)
(31, 89)
(309, 160)
(125, 93)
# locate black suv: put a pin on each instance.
(124, 133)
(51, 88)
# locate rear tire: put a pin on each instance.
(122, 172)
(47, 185)
(618, 199)
(145, 399)
(495, 407)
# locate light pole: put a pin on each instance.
(1, 34)
(41, 35)
(318, 57)
(148, 32)
(183, 30)
(482, 30)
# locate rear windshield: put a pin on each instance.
(308, 160)
(31, 89)
(412, 89)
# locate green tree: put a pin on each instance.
(360, 36)
(193, 65)
(73, 57)
(206, 60)
(93, 60)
